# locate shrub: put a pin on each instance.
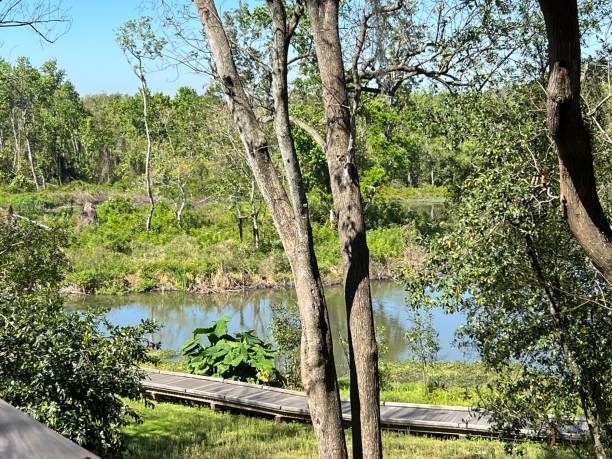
(319, 205)
(386, 243)
(243, 357)
(382, 212)
(59, 367)
(286, 329)
(21, 183)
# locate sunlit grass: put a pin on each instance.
(448, 383)
(173, 431)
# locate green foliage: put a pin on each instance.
(387, 243)
(31, 257)
(20, 183)
(312, 158)
(389, 148)
(116, 256)
(537, 311)
(320, 204)
(243, 357)
(286, 330)
(381, 212)
(137, 39)
(71, 371)
(423, 341)
(118, 224)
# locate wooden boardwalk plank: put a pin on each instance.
(439, 419)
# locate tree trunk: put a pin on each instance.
(16, 158)
(31, 161)
(254, 215)
(181, 203)
(148, 154)
(240, 218)
(75, 147)
(588, 402)
(344, 180)
(318, 370)
(579, 199)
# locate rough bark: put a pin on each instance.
(318, 370)
(351, 230)
(579, 199)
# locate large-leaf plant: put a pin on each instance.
(243, 357)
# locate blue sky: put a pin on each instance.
(88, 51)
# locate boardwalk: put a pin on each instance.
(21, 437)
(287, 404)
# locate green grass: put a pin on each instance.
(448, 383)
(172, 431)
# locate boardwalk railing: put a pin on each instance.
(21, 437)
(288, 404)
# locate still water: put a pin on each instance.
(180, 313)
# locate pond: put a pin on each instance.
(180, 313)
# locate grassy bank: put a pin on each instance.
(172, 431)
(444, 383)
(116, 255)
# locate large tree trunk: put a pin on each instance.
(363, 351)
(580, 202)
(318, 370)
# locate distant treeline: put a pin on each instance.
(50, 134)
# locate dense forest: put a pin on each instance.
(61, 152)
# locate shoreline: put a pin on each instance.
(72, 290)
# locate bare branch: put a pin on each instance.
(311, 131)
(42, 17)
(298, 12)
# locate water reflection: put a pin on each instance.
(431, 210)
(180, 313)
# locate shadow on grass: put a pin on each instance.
(181, 431)
(172, 431)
